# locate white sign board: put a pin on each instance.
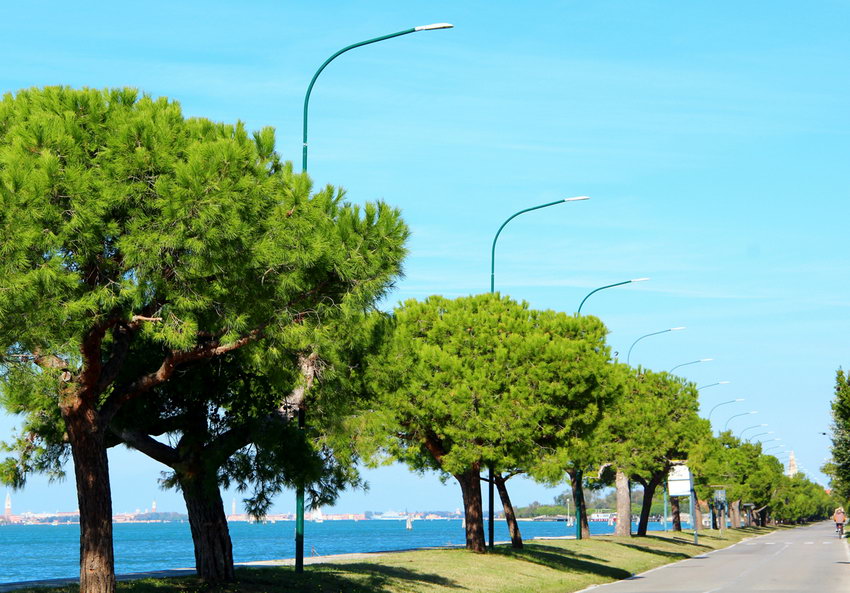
(679, 481)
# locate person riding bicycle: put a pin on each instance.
(839, 517)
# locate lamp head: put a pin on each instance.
(577, 199)
(740, 399)
(639, 280)
(705, 359)
(676, 329)
(434, 26)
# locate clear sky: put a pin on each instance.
(712, 137)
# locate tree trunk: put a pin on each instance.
(646, 505)
(674, 510)
(91, 469)
(624, 506)
(578, 499)
(510, 517)
(208, 522)
(696, 520)
(470, 487)
(714, 521)
(735, 510)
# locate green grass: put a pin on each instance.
(543, 566)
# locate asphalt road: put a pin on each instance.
(802, 560)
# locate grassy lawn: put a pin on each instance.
(543, 566)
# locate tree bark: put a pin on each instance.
(470, 487)
(624, 506)
(578, 499)
(735, 514)
(510, 516)
(696, 520)
(646, 506)
(208, 522)
(94, 497)
(674, 510)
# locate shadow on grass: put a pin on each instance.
(351, 578)
(651, 550)
(564, 560)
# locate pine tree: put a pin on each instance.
(466, 383)
(122, 219)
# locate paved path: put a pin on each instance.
(806, 559)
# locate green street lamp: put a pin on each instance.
(608, 286)
(755, 436)
(342, 51)
(491, 481)
(299, 491)
(726, 426)
(731, 401)
(713, 385)
(741, 434)
(663, 331)
(692, 362)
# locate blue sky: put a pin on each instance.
(712, 138)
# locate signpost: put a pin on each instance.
(681, 483)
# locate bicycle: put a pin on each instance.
(839, 529)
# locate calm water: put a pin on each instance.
(32, 552)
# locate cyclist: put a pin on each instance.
(839, 517)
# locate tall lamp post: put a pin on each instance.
(713, 385)
(663, 331)
(608, 286)
(299, 492)
(731, 401)
(726, 426)
(490, 481)
(741, 434)
(755, 436)
(692, 362)
(432, 27)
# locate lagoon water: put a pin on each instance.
(32, 552)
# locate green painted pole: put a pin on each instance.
(663, 331)
(490, 481)
(299, 492)
(592, 292)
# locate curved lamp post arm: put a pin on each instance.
(510, 218)
(713, 385)
(607, 286)
(755, 436)
(339, 53)
(726, 426)
(663, 331)
(741, 434)
(684, 364)
(731, 401)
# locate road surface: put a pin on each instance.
(806, 559)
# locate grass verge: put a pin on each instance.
(543, 566)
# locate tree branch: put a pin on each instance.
(148, 445)
(145, 383)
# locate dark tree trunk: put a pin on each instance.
(510, 517)
(646, 505)
(578, 499)
(677, 517)
(696, 520)
(713, 515)
(624, 506)
(470, 487)
(91, 469)
(208, 522)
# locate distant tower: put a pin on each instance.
(153, 507)
(233, 506)
(8, 510)
(792, 465)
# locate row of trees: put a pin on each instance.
(171, 285)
